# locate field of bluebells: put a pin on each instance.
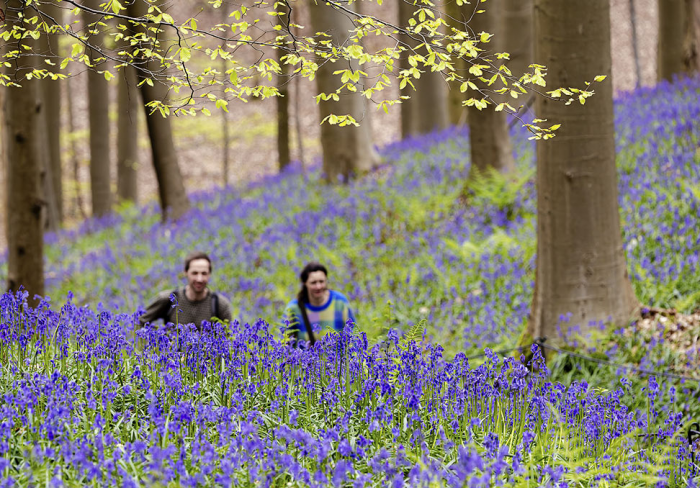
(436, 272)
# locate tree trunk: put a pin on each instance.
(581, 266)
(171, 189)
(635, 44)
(457, 17)
(517, 29)
(226, 157)
(127, 136)
(75, 162)
(426, 110)
(98, 113)
(25, 236)
(347, 151)
(51, 126)
(283, 80)
(691, 58)
(672, 28)
(489, 140)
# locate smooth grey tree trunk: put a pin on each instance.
(98, 113)
(672, 31)
(174, 202)
(581, 267)
(51, 119)
(283, 80)
(517, 29)
(635, 44)
(25, 236)
(457, 16)
(128, 108)
(489, 140)
(347, 151)
(74, 161)
(427, 109)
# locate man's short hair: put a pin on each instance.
(197, 255)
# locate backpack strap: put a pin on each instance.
(307, 325)
(214, 305)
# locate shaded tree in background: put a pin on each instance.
(581, 267)
(174, 202)
(691, 43)
(128, 108)
(673, 23)
(517, 32)
(25, 234)
(50, 92)
(457, 14)
(283, 80)
(427, 109)
(347, 150)
(98, 112)
(489, 142)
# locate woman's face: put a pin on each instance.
(316, 284)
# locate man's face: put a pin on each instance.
(316, 284)
(198, 275)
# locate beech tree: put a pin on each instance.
(25, 200)
(673, 24)
(98, 112)
(128, 108)
(581, 268)
(347, 148)
(50, 94)
(489, 140)
(426, 109)
(174, 202)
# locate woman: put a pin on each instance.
(316, 307)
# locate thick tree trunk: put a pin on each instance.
(581, 266)
(672, 28)
(51, 126)
(283, 156)
(75, 163)
(489, 140)
(517, 29)
(635, 44)
(25, 227)
(98, 113)
(127, 136)
(691, 43)
(457, 17)
(171, 189)
(427, 109)
(347, 151)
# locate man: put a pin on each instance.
(195, 302)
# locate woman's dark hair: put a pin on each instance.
(303, 296)
(196, 255)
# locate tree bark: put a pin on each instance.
(672, 29)
(347, 151)
(427, 109)
(635, 44)
(283, 79)
(581, 266)
(691, 58)
(457, 16)
(51, 126)
(489, 140)
(127, 136)
(25, 201)
(517, 30)
(174, 202)
(98, 113)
